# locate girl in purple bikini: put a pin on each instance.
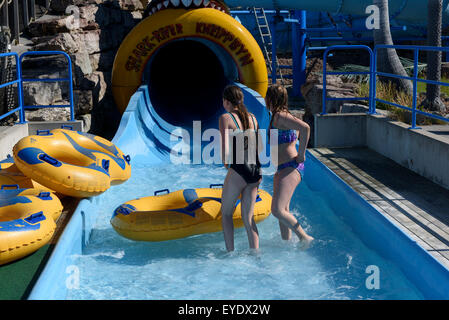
(290, 170)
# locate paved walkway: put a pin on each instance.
(415, 204)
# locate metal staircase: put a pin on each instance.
(7, 94)
(265, 35)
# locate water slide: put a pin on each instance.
(407, 11)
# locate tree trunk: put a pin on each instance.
(434, 21)
(388, 60)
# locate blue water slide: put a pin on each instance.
(403, 10)
(408, 19)
(146, 136)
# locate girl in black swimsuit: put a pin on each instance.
(239, 133)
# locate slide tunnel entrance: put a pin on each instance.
(185, 80)
(186, 58)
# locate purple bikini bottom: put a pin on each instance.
(295, 165)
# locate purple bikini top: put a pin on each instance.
(286, 136)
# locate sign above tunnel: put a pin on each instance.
(173, 31)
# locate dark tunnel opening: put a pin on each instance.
(185, 81)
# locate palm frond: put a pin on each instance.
(407, 63)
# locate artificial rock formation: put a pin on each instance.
(90, 31)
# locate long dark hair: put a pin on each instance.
(277, 99)
(234, 95)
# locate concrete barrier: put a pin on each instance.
(421, 151)
(335, 130)
(45, 125)
(9, 136)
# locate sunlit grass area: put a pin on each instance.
(388, 92)
(444, 89)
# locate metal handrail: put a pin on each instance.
(325, 73)
(374, 74)
(414, 79)
(20, 80)
(69, 80)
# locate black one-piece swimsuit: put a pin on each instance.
(250, 172)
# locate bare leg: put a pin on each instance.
(285, 183)
(233, 186)
(286, 232)
(249, 196)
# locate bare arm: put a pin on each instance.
(287, 120)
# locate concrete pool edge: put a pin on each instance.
(431, 279)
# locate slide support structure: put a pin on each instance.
(299, 51)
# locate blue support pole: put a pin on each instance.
(299, 51)
(415, 89)
(20, 90)
(373, 85)
(273, 52)
(446, 44)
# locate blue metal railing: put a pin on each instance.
(414, 109)
(370, 73)
(69, 80)
(373, 73)
(20, 80)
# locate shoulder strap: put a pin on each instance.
(254, 122)
(235, 121)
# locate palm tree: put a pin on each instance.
(388, 60)
(434, 21)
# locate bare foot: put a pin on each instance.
(306, 242)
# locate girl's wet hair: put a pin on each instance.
(277, 100)
(234, 95)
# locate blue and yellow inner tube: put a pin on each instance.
(7, 163)
(11, 175)
(72, 163)
(179, 214)
(27, 221)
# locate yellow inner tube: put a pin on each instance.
(72, 163)
(180, 214)
(12, 176)
(27, 222)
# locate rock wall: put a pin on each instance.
(90, 31)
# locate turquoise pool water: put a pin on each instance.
(198, 267)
